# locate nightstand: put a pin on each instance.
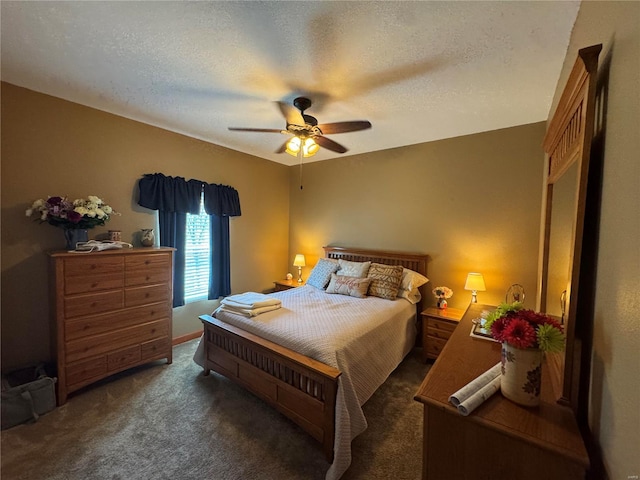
(437, 327)
(281, 285)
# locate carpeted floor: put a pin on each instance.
(164, 421)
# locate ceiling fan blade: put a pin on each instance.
(344, 127)
(267, 130)
(283, 147)
(293, 115)
(329, 144)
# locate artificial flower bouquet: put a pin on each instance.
(79, 214)
(442, 292)
(522, 328)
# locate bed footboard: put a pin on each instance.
(301, 388)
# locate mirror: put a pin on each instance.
(561, 228)
(567, 144)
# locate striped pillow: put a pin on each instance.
(385, 280)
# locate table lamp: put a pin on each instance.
(299, 262)
(475, 283)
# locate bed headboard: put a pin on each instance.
(413, 261)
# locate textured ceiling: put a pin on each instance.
(418, 71)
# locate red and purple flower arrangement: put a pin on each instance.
(522, 328)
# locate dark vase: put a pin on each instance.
(75, 235)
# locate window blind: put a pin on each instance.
(197, 257)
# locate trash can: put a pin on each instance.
(26, 394)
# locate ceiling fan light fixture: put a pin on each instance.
(293, 146)
(308, 145)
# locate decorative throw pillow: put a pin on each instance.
(353, 269)
(321, 273)
(351, 286)
(385, 280)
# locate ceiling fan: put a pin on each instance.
(308, 135)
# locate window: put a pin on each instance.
(197, 256)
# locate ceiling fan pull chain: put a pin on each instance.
(300, 155)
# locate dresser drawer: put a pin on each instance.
(123, 358)
(143, 295)
(108, 342)
(147, 276)
(441, 325)
(434, 346)
(148, 269)
(82, 327)
(80, 305)
(93, 283)
(155, 348)
(94, 266)
(79, 372)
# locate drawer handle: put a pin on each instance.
(93, 266)
(147, 262)
(146, 295)
(148, 277)
(94, 304)
(94, 284)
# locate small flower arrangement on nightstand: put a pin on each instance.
(442, 293)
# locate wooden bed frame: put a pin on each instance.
(302, 389)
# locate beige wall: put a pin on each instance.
(614, 411)
(54, 147)
(472, 203)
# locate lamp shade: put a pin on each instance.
(475, 281)
(299, 261)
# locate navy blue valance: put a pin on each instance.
(177, 195)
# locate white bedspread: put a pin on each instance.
(365, 338)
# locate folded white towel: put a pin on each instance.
(247, 312)
(250, 300)
(231, 303)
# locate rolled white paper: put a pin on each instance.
(475, 400)
(474, 386)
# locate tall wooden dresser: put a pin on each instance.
(111, 310)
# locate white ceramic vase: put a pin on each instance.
(521, 374)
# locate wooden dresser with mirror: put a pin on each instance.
(501, 440)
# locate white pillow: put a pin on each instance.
(353, 269)
(412, 280)
(412, 296)
(409, 285)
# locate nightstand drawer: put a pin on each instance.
(438, 333)
(437, 327)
